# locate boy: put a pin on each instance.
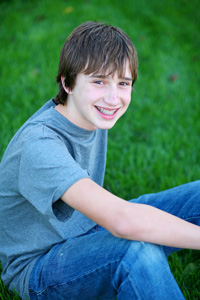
(62, 235)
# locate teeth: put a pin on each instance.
(106, 111)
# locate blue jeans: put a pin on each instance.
(98, 265)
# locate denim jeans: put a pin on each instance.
(98, 265)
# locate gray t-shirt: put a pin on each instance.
(44, 158)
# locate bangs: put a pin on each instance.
(107, 66)
(106, 50)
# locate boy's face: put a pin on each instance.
(98, 101)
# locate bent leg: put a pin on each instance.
(146, 275)
(101, 266)
(182, 201)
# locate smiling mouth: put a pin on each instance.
(108, 112)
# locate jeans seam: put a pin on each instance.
(192, 217)
(133, 287)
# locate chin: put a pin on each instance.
(107, 126)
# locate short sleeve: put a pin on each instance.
(46, 171)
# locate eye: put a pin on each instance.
(99, 82)
(123, 83)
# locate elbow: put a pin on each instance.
(130, 222)
(128, 230)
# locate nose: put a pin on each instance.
(112, 97)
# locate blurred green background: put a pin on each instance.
(155, 145)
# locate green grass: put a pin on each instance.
(5, 294)
(153, 147)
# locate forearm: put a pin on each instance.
(131, 220)
(148, 224)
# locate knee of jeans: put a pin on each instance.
(142, 260)
(148, 254)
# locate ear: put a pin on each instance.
(67, 90)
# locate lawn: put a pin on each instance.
(155, 145)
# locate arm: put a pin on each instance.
(128, 220)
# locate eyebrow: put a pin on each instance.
(104, 76)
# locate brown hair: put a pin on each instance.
(92, 47)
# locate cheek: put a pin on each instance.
(127, 99)
(94, 94)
